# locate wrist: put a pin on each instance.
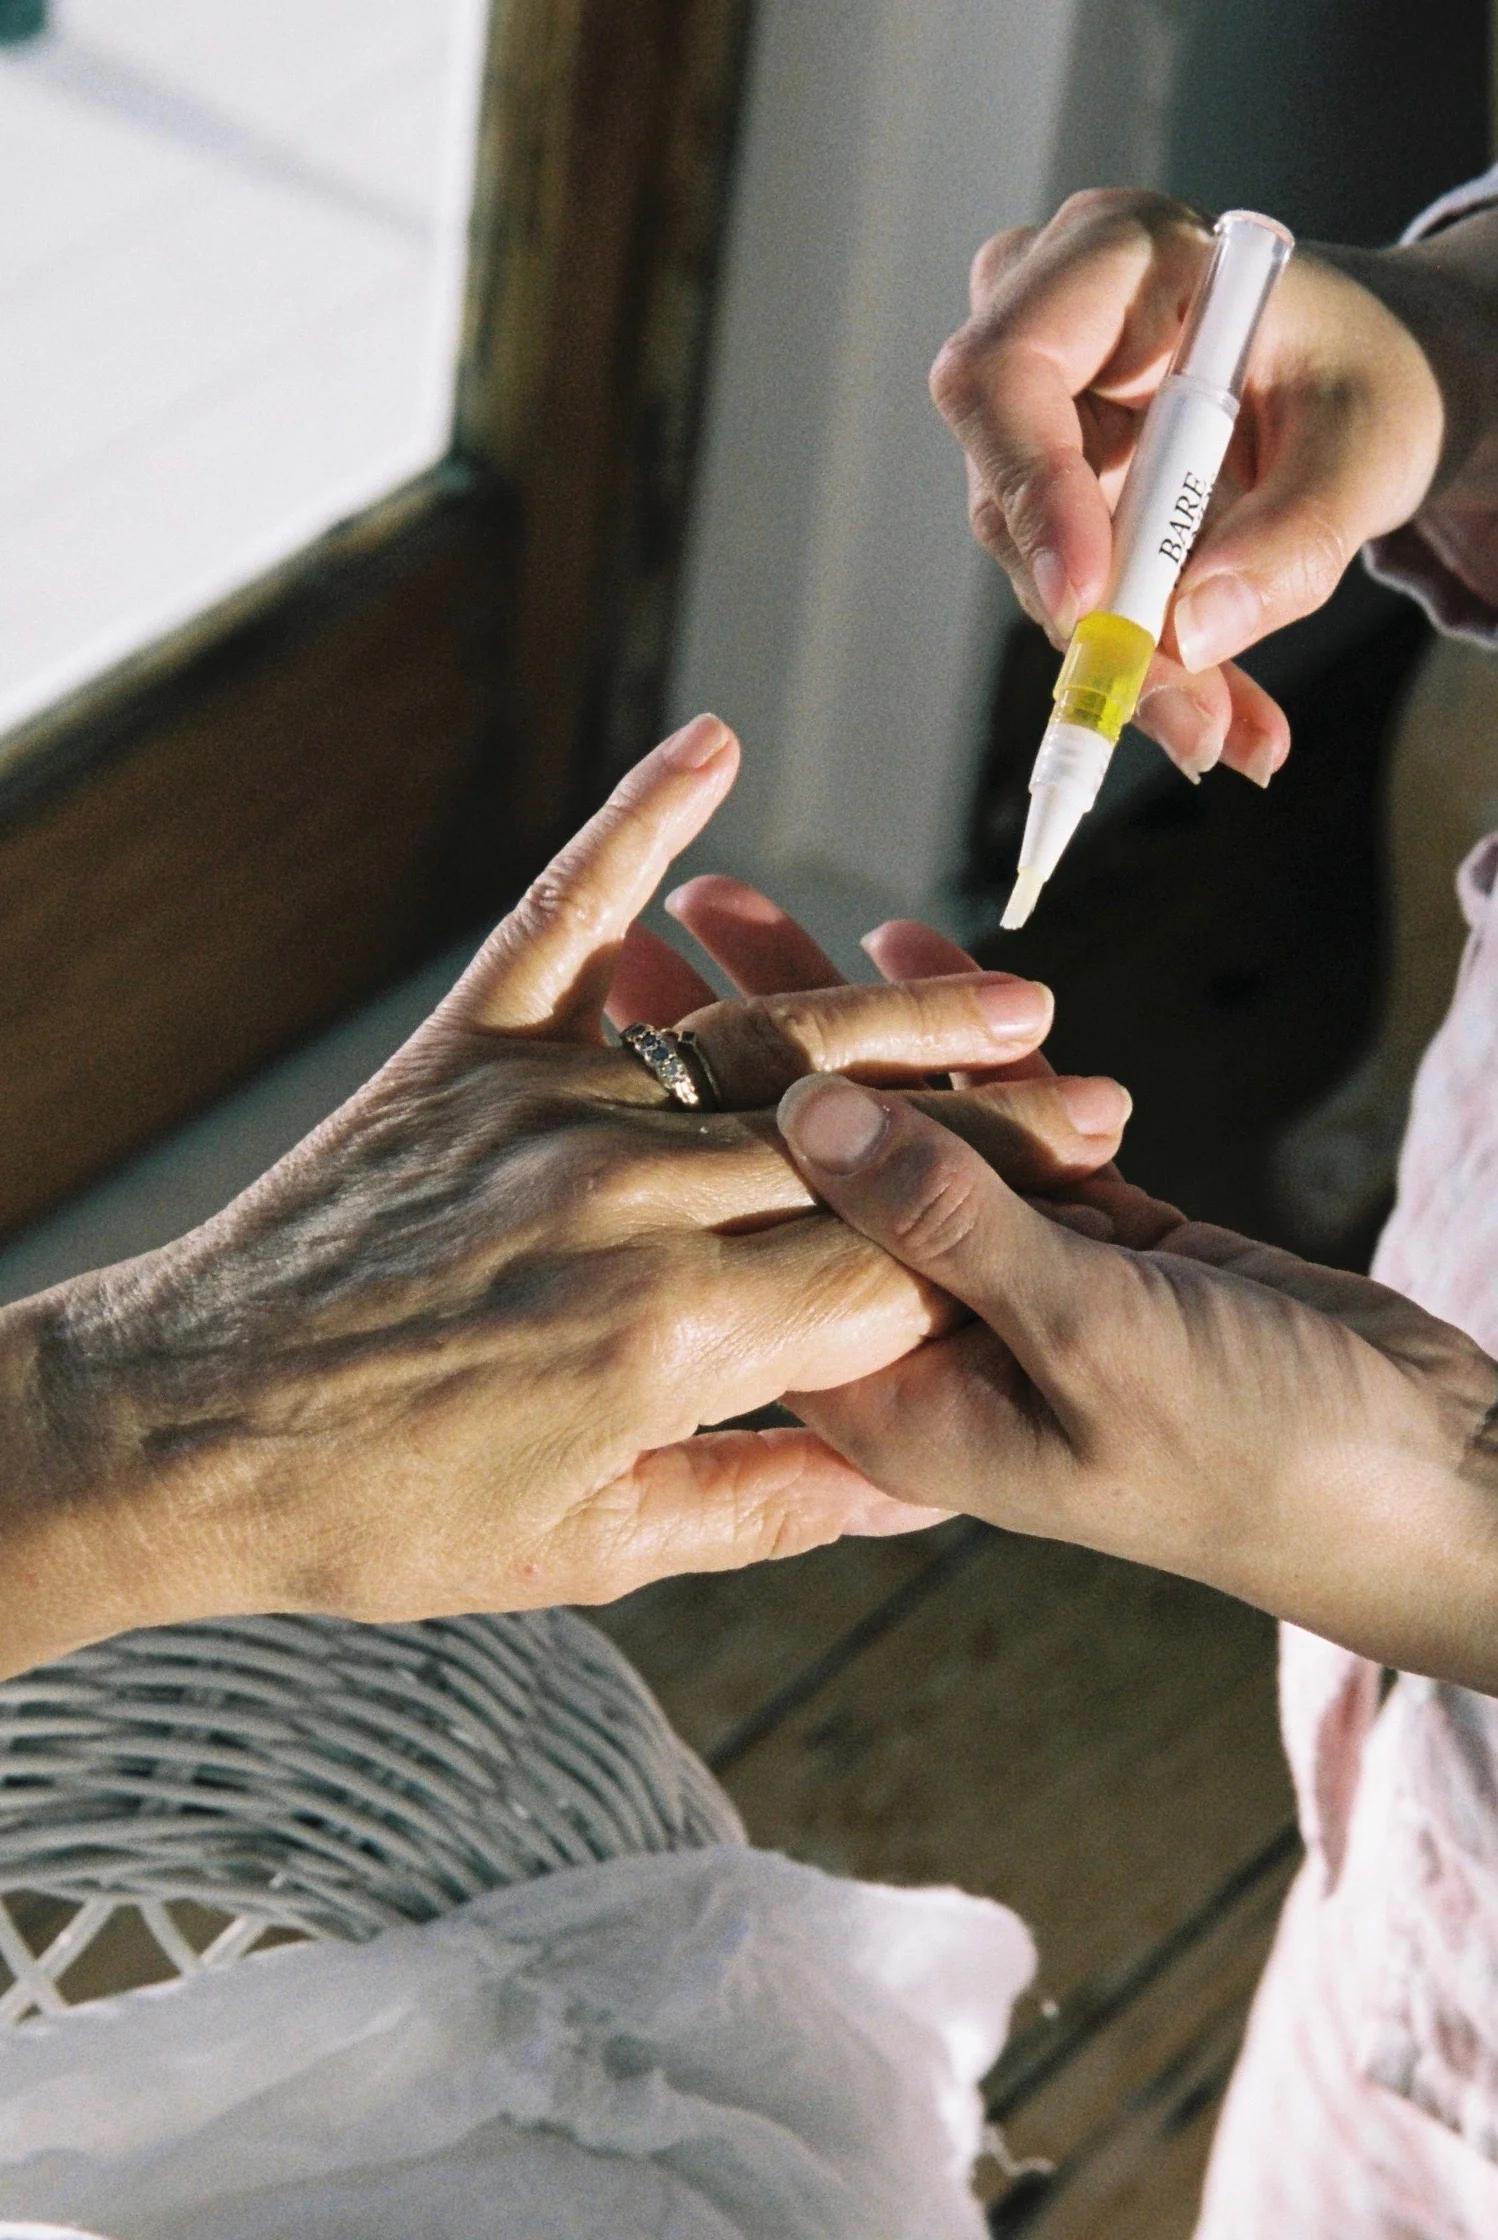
(54, 1468)
(1443, 289)
(97, 1511)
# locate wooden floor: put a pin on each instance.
(1093, 1744)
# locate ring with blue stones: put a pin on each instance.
(678, 1062)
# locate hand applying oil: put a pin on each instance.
(1181, 448)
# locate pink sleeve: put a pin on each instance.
(1455, 580)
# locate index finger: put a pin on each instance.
(1095, 303)
(547, 966)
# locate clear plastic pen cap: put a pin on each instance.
(1248, 255)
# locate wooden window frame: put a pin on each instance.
(216, 848)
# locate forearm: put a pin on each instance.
(1400, 1566)
(1372, 1521)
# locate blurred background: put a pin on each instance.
(409, 409)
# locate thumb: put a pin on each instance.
(1280, 550)
(931, 1202)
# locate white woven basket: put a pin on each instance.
(171, 1799)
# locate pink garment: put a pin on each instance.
(1308, 2148)
(1365, 2105)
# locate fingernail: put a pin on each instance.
(1049, 576)
(832, 1123)
(696, 744)
(1261, 762)
(1184, 729)
(1015, 1008)
(1215, 619)
(1097, 1106)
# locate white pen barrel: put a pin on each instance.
(1190, 420)
(1176, 461)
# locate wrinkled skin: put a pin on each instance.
(450, 1353)
(1154, 1387)
(1168, 1391)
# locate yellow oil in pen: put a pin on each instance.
(1180, 448)
(1103, 674)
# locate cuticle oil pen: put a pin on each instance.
(1179, 451)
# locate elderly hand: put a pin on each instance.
(450, 1353)
(1165, 1391)
(1372, 395)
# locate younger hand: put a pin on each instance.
(1299, 1437)
(1339, 438)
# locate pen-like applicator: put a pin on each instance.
(1176, 461)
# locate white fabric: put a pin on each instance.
(709, 2045)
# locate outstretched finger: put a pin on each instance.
(904, 949)
(757, 1047)
(547, 967)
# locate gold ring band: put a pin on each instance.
(678, 1064)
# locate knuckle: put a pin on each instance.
(610, 1171)
(1025, 486)
(954, 379)
(1321, 553)
(1091, 202)
(792, 1028)
(651, 1346)
(643, 1329)
(937, 1212)
(986, 519)
(1067, 1336)
(786, 1529)
(994, 258)
(1127, 206)
(556, 902)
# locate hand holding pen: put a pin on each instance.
(1351, 423)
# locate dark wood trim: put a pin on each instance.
(590, 335)
(320, 811)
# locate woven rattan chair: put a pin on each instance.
(172, 1800)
